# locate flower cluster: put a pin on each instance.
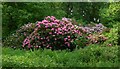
(91, 35)
(53, 33)
(94, 38)
(98, 28)
(26, 29)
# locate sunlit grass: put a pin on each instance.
(92, 56)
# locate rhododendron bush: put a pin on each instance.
(92, 34)
(53, 33)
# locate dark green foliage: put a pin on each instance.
(15, 14)
(92, 56)
(81, 42)
(86, 11)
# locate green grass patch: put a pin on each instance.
(91, 56)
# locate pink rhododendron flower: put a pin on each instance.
(41, 38)
(52, 29)
(29, 46)
(109, 44)
(55, 38)
(65, 39)
(45, 21)
(48, 39)
(69, 37)
(56, 21)
(53, 35)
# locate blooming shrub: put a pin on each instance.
(92, 34)
(15, 40)
(98, 28)
(96, 38)
(86, 40)
(52, 33)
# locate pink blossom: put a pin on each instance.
(109, 44)
(72, 27)
(62, 33)
(54, 24)
(55, 32)
(48, 46)
(55, 38)
(59, 28)
(52, 29)
(50, 24)
(69, 37)
(23, 45)
(45, 21)
(68, 44)
(48, 39)
(53, 35)
(36, 29)
(56, 21)
(46, 26)
(47, 17)
(64, 19)
(38, 23)
(43, 42)
(39, 26)
(41, 38)
(52, 19)
(65, 39)
(37, 46)
(73, 32)
(50, 32)
(29, 46)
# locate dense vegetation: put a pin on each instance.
(92, 56)
(60, 34)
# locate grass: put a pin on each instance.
(92, 56)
